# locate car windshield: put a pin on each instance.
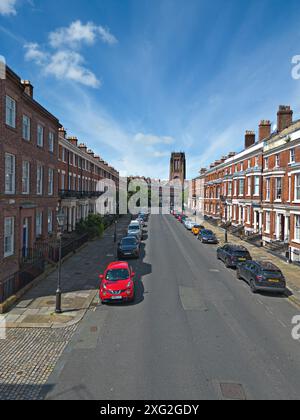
(116, 275)
(207, 232)
(128, 241)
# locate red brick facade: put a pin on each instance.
(20, 203)
(258, 189)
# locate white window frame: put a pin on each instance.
(10, 111)
(25, 177)
(50, 221)
(10, 174)
(40, 135)
(277, 189)
(26, 127)
(297, 228)
(51, 140)
(39, 179)
(292, 155)
(39, 224)
(50, 181)
(277, 161)
(241, 183)
(297, 188)
(256, 186)
(8, 252)
(268, 222)
(268, 189)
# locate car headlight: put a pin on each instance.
(129, 285)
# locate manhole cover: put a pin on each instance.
(231, 391)
(20, 373)
(94, 329)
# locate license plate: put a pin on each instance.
(242, 259)
(117, 298)
(127, 253)
(273, 281)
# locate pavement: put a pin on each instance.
(195, 332)
(35, 338)
(290, 271)
(80, 281)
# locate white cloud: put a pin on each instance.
(150, 139)
(8, 7)
(64, 65)
(78, 34)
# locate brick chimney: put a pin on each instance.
(231, 154)
(73, 140)
(249, 139)
(203, 171)
(264, 130)
(284, 117)
(28, 88)
(83, 147)
(62, 132)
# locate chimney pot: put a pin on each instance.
(62, 132)
(284, 117)
(73, 140)
(28, 88)
(249, 139)
(265, 128)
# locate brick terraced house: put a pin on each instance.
(80, 174)
(28, 172)
(257, 191)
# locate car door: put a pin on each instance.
(246, 268)
(250, 272)
(223, 252)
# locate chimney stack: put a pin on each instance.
(73, 140)
(203, 171)
(249, 139)
(62, 132)
(284, 117)
(28, 88)
(264, 130)
(231, 154)
(91, 153)
(83, 147)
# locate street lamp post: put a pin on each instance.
(60, 221)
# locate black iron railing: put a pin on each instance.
(65, 194)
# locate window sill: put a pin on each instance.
(296, 241)
(9, 255)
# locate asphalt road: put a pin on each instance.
(194, 332)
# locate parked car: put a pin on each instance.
(188, 223)
(182, 218)
(117, 283)
(197, 229)
(262, 276)
(208, 237)
(135, 235)
(232, 255)
(129, 247)
(136, 228)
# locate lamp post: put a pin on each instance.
(115, 234)
(60, 221)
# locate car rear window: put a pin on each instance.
(272, 273)
(207, 232)
(240, 253)
(134, 227)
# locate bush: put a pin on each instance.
(93, 226)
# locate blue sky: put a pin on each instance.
(138, 79)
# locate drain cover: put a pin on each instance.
(231, 391)
(94, 329)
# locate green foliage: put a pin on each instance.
(93, 225)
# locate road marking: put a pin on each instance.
(282, 323)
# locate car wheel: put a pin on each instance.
(238, 274)
(227, 263)
(252, 287)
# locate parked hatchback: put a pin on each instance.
(208, 237)
(232, 255)
(262, 276)
(129, 247)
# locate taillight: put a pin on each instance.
(259, 278)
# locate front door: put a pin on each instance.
(25, 247)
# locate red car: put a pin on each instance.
(117, 283)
